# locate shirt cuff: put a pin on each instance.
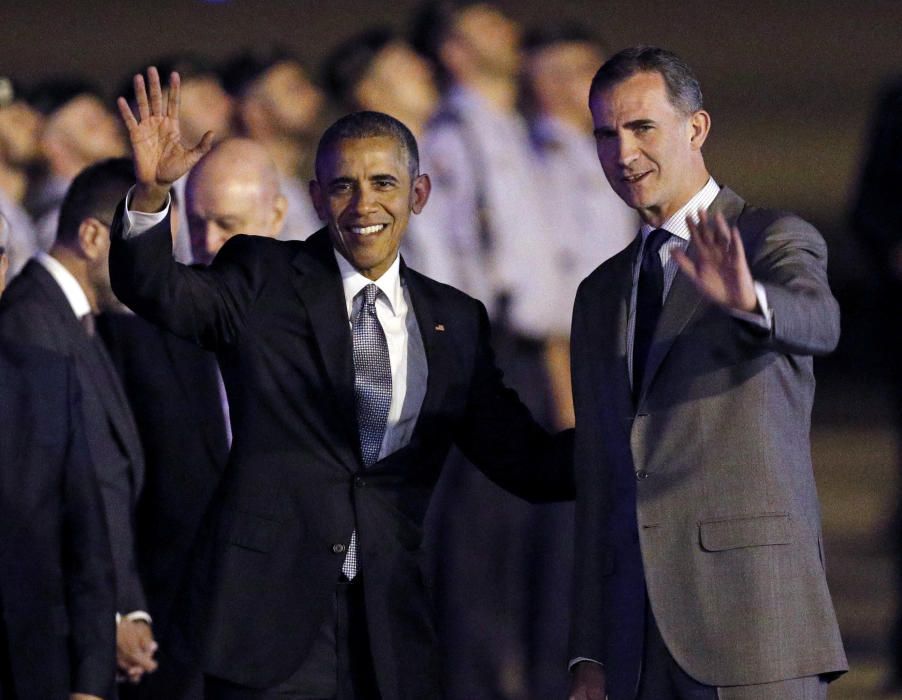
(763, 316)
(134, 223)
(580, 659)
(135, 615)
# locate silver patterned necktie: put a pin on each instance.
(372, 392)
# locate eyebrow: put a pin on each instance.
(630, 125)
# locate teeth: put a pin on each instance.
(367, 230)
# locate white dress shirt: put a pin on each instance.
(406, 352)
(75, 295)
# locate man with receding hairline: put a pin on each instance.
(349, 377)
(234, 189)
(700, 572)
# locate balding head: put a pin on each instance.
(233, 189)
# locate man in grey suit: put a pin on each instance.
(700, 570)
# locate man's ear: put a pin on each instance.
(699, 126)
(93, 238)
(419, 193)
(317, 197)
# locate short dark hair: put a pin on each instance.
(366, 125)
(683, 88)
(95, 192)
(349, 62)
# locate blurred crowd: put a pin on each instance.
(519, 213)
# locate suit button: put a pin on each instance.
(339, 548)
(359, 482)
(641, 474)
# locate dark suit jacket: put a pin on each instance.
(57, 593)
(702, 497)
(295, 487)
(34, 309)
(173, 388)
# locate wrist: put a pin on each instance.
(149, 198)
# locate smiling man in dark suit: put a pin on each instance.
(700, 571)
(349, 377)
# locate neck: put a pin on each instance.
(657, 214)
(78, 268)
(13, 181)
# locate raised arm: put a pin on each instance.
(203, 305)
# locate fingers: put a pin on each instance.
(201, 149)
(156, 92)
(173, 102)
(711, 235)
(141, 97)
(126, 112)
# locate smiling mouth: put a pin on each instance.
(633, 178)
(367, 230)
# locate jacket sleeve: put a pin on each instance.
(790, 262)
(499, 435)
(205, 305)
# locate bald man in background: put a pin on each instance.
(178, 401)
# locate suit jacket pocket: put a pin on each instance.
(253, 532)
(745, 531)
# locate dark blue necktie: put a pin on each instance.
(372, 391)
(649, 300)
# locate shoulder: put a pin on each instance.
(762, 227)
(443, 296)
(610, 272)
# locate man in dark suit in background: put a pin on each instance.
(349, 377)
(57, 634)
(700, 569)
(52, 304)
(177, 396)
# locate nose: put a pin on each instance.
(626, 150)
(364, 201)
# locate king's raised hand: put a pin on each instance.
(159, 154)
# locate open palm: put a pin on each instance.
(160, 156)
(718, 269)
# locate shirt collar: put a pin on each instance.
(676, 224)
(75, 295)
(389, 283)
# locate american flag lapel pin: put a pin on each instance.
(440, 327)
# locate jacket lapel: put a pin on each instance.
(91, 353)
(683, 299)
(431, 323)
(612, 380)
(319, 287)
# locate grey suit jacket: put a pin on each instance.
(35, 310)
(701, 499)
